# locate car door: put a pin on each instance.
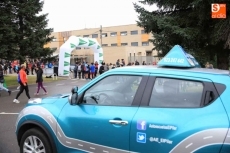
(179, 114)
(102, 122)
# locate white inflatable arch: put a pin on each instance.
(70, 45)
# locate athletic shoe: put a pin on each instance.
(9, 92)
(36, 94)
(46, 93)
(16, 101)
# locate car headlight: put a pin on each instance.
(35, 101)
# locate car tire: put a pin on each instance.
(35, 135)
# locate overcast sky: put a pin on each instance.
(66, 15)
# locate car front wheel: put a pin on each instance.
(34, 141)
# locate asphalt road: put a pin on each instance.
(9, 110)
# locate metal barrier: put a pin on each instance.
(50, 72)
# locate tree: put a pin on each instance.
(189, 24)
(23, 31)
(33, 33)
(8, 43)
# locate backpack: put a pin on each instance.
(19, 80)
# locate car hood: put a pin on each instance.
(61, 98)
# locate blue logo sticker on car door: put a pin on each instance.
(141, 125)
(141, 137)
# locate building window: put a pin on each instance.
(104, 35)
(149, 53)
(145, 43)
(143, 32)
(124, 44)
(78, 48)
(134, 43)
(94, 35)
(124, 33)
(85, 36)
(113, 34)
(104, 45)
(134, 32)
(113, 44)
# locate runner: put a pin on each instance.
(2, 81)
(39, 80)
(23, 84)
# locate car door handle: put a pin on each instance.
(117, 122)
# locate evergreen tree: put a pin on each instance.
(23, 31)
(8, 43)
(189, 24)
(33, 33)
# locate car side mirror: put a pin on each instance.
(73, 99)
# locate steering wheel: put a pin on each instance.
(105, 99)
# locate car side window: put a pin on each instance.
(113, 90)
(176, 93)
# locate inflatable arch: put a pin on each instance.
(70, 45)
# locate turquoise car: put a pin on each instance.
(169, 108)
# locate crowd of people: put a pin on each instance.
(88, 71)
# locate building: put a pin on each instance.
(128, 42)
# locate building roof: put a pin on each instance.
(149, 68)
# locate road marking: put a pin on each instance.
(15, 90)
(189, 145)
(80, 145)
(105, 151)
(208, 137)
(3, 113)
(92, 148)
(59, 84)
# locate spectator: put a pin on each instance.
(96, 68)
(114, 66)
(83, 70)
(79, 70)
(123, 62)
(5, 68)
(101, 70)
(137, 63)
(75, 70)
(10, 69)
(118, 63)
(87, 71)
(92, 70)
